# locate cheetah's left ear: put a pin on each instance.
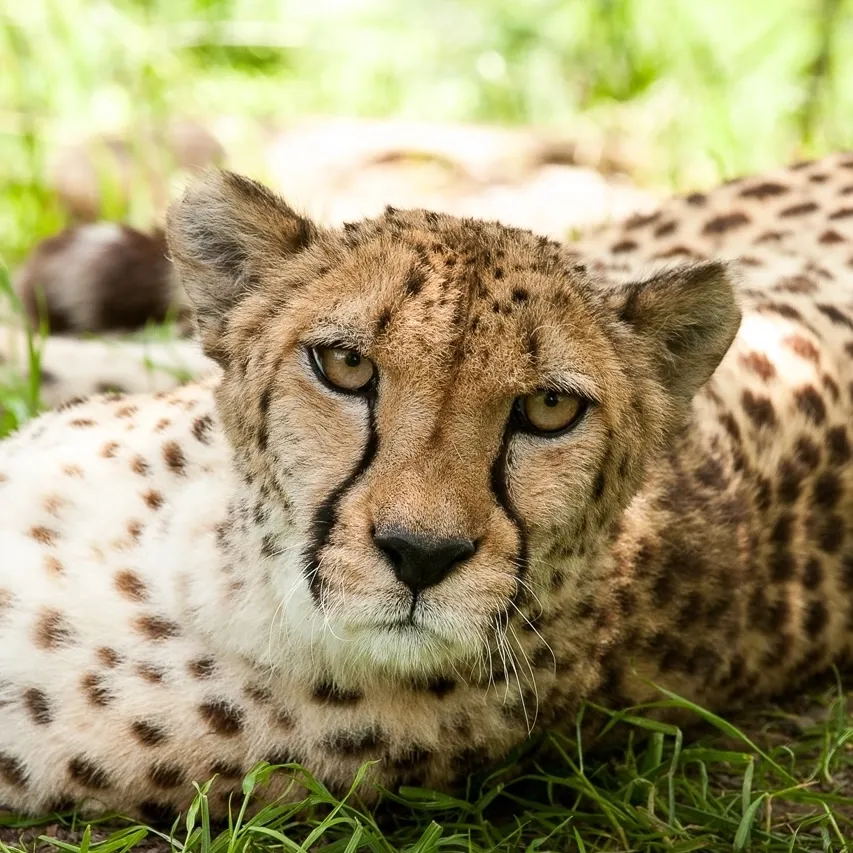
(688, 318)
(223, 233)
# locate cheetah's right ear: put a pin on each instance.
(223, 233)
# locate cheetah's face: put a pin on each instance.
(449, 413)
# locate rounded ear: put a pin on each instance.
(688, 318)
(223, 232)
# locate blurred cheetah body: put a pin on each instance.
(190, 582)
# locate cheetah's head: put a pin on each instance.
(448, 414)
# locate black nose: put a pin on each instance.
(421, 561)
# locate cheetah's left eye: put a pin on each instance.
(344, 369)
(550, 412)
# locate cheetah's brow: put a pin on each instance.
(330, 334)
(571, 383)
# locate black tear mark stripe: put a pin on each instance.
(501, 493)
(326, 516)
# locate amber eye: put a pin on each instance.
(344, 368)
(551, 411)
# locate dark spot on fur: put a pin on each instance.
(838, 445)
(830, 237)
(167, 776)
(835, 315)
(810, 403)
(759, 364)
(846, 577)
(799, 209)
(328, 692)
(782, 567)
(38, 706)
(807, 452)
(156, 627)
(726, 222)
(153, 499)
(415, 282)
(201, 428)
(202, 667)
(139, 466)
(355, 743)
(817, 617)
(43, 535)
(783, 309)
(226, 769)
(96, 691)
(622, 247)
(258, 693)
(150, 673)
(790, 479)
(148, 733)
(130, 585)
(813, 574)
(827, 490)
(763, 190)
(781, 531)
(174, 458)
(282, 756)
(759, 409)
(439, 687)
(87, 773)
(803, 347)
(108, 657)
(223, 718)
(770, 237)
(830, 534)
(12, 771)
(710, 473)
(383, 320)
(843, 212)
(109, 449)
(52, 630)
(640, 220)
(796, 284)
(729, 424)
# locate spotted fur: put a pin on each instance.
(190, 584)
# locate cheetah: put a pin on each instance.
(448, 480)
(122, 278)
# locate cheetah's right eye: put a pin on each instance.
(344, 369)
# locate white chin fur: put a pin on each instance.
(402, 652)
(355, 643)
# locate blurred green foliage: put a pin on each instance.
(703, 89)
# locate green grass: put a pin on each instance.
(19, 384)
(770, 783)
(697, 92)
